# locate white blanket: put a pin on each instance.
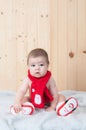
(42, 120)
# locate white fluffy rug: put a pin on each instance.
(42, 120)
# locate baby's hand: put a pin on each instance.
(17, 108)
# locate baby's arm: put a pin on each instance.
(54, 92)
(20, 95)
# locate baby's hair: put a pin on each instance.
(36, 53)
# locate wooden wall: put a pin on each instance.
(58, 26)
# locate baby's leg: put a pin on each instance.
(61, 100)
(26, 99)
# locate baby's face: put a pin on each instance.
(38, 66)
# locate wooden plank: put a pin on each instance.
(54, 39)
(72, 44)
(7, 48)
(81, 61)
(62, 44)
(21, 36)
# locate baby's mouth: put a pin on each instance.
(37, 73)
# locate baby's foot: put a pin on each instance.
(67, 107)
(27, 109)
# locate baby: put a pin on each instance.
(43, 92)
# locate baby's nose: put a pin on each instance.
(37, 66)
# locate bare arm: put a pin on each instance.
(54, 91)
(20, 95)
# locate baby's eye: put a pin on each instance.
(33, 65)
(41, 64)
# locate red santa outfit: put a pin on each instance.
(39, 92)
(40, 95)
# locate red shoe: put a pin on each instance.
(27, 109)
(67, 107)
